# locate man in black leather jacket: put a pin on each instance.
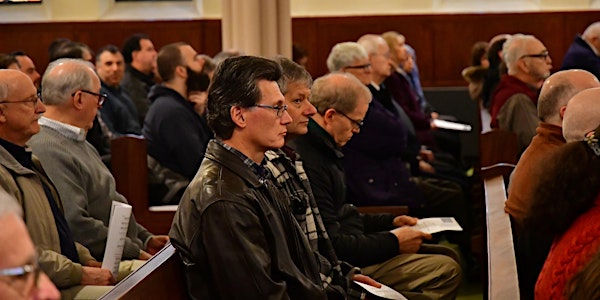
(234, 229)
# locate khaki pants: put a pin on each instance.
(419, 276)
(89, 292)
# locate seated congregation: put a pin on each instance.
(269, 169)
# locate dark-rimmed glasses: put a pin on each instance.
(28, 274)
(358, 124)
(544, 55)
(32, 99)
(364, 67)
(279, 108)
(101, 97)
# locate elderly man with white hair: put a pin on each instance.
(515, 98)
(584, 52)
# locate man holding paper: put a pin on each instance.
(71, 92)
(68, 264)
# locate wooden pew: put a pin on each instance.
(161, 277)
(502, 267)
(130, 169)
(498, 147)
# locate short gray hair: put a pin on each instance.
(344, 54)
(513, 49)
(57, 88)
(592, 31)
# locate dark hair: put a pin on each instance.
(70, 50)
(235, 83)
(566, 189)
(492, 53)
(586, 283)
(169, 57)
(478, 51)
(55, 45)
(132, 44)
(298, 53)
(291, 72)
(7, 60)
(108, 48)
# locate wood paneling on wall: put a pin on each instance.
(442, 42)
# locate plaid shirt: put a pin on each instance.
(286, 168)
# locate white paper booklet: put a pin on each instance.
(433, 225)
(117, 231)
(451, 125)
(384, 291)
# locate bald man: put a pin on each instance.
(581, 114)
(514, 100)
(556, 92)
(584, 52)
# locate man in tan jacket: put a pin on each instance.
(68, 264)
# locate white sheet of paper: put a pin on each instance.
(451, 125)
(384, 291)
(117, 230)
(433, 225)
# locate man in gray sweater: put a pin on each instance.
(84, 183)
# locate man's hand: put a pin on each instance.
(400, 221)
(426, 155)
(156, 243)
(94, 263)
(425, 167)
(366, 280)
(144, 255)
(199, 99)
(410, 240)
(96, 276)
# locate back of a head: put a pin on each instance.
(292, 72)
(225, 54)
(391, 38)
(478, 51)
(593, 30)
(235, 83)
(71, 50)
(7, 61)
(582, 115)
(339, 91)
(492, 53)
(65, 76)
(559, 88)
(370, 42)
(344, 54)
(167, 60)
(132, 44)
(55, 45)
(209, 63)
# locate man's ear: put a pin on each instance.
(237, 116)
(561, 111)
(181, 71)
(78, 101)
(328, 115)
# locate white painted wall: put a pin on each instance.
(108, 10)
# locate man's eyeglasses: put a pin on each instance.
(33, 99)
(544, 55)
(358, 124)
(279, 108)
(101, 97)
(364, 67)
(25, 277)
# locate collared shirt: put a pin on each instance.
(67, 130)
(257, 169)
